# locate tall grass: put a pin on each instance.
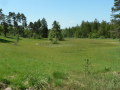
(41, 64)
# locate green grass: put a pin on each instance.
(36, 63)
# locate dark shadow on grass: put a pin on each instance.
(11, 37)
(5, 41)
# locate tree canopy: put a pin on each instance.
(15, 24)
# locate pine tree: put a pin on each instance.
(44, 28)
(55, 34)
(116, 16)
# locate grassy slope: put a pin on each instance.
(41, 58)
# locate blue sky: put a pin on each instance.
(67, 12)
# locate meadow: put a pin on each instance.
(72, 64)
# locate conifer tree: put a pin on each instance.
(116, 16)
(55, 34)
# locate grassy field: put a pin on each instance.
(40, 65)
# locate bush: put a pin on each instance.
(102, 37)
(38, 82)
(107, 69)
(58, 82)
(60, 75)
(93, 35)
(5, 81)
(55, 35)
(36, 36)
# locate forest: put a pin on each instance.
(16, 25)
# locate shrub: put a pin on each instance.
(107, 69)
(60, 75)
(5, 81)
(58, 82)
(93, 35)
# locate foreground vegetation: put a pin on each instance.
(79, 64)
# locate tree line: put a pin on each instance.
(97, 29)
(93, 29)
(15, 24)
